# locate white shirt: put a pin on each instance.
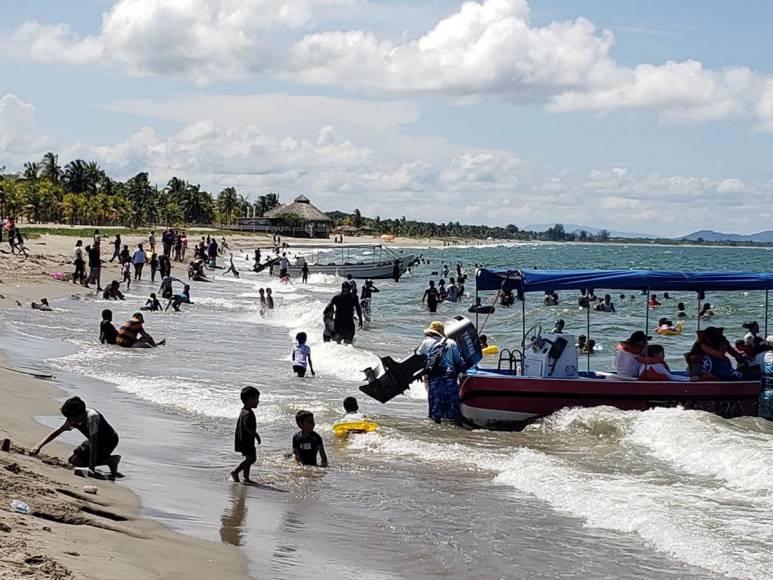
(626, 365)
(78, 253)
(301, 355)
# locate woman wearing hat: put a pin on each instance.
(444, 362)
(630, 355)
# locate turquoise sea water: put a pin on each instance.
(595, 492)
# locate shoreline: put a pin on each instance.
(70, 534)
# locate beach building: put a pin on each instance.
(298, 219)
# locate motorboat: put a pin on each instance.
(543, 376)
(350, 260)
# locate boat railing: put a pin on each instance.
(513, 358)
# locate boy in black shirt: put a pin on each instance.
(307, 442)
(247, 434)
(101, 438)
(107, 332)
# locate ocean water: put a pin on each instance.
(597, 492)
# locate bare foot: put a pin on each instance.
(235, 476)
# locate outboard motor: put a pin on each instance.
(463, 332)
(551, 356)
(765, 408)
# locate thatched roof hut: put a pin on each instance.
(300, 206)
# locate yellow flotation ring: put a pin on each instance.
(676, 331)
(343, 428)
(491, 350)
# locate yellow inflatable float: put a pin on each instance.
(491, 350)
(675, 331)
(344, 427)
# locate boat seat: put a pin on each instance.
(614, 376)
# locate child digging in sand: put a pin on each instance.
(247, 434)
(101, 438)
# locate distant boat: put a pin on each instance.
(379, 266)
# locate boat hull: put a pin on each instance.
(372, 271)
(502, 401)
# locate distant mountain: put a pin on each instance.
(576, 229)
(712, 236)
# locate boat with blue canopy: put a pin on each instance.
(542, 375)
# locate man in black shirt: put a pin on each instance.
(107, 332)
(345, 304)
(95, 267)
(307, 443)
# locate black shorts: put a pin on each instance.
(299, 370)
(83, 452)
(283, 272)
(250, 453)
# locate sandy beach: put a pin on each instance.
(70, 534)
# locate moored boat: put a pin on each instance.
(379, 265)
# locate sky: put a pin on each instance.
(651, 117)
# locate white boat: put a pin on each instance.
(378, 265)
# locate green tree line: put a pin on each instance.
(80, 192)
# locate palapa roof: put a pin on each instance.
(302, 207)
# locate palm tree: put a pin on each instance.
(75, 177)
(227, 203)
(94, 177)
(50, 168)
(31, 171)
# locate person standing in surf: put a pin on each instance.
(431, 296)
(247, 434)
(366, 298)
(345, 304)
(444, 363)
(396, 270)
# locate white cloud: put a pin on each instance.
(203, 39)
(19, 133)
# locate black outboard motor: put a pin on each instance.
(462, 331)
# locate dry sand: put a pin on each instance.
(70, 534)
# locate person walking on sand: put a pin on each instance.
(80, 264)
(345, 305)
(152, 242)
(138, 259)
(101, 438)
(247, 434)
(116, 248)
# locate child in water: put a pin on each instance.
(152, 304)
(352, 409)
(307, 443)
(302, 356)
(177, 299)
(269, 299)
(126, 269)
(246, 434)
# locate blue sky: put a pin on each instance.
(647, 117)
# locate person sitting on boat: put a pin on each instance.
(558, 328)
(630, 355)
(657, 369)
(708, 356)
(606, 305)
(706, 312)
(653, 301)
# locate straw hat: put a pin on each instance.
(436, 327)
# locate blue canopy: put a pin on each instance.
(541, 280)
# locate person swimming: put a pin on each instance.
(706, 311)
(152, 304)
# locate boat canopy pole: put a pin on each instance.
(523, 321)
(647, 313)
(699, 311)
(477, 314)
(587, 338)
(766, 313)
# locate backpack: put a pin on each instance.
(434, 367)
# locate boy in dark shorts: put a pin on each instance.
(247, 434)
(307, 443)
(302, 356)
(101, 438)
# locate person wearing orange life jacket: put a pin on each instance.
(656, 368)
